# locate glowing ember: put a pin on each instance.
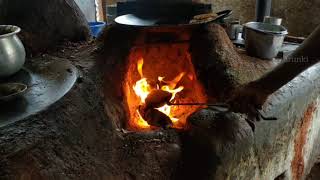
(142, 89)
(141, 122)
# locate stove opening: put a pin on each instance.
(159, 75)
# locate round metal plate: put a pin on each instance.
(134, 20)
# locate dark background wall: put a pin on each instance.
(45, 23)
(88, 8)
(299, 16)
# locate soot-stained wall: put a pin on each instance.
(299, 16)
(88, 8)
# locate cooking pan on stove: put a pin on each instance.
(154, 21)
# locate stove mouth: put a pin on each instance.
(159, 77)
(154, 84)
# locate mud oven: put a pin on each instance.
(199, 64)
(159, 71)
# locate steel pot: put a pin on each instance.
(12, 52)
(264, 40)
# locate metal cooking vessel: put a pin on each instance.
(264, 40)
(12, 52)
(134, 20)
(155, 13)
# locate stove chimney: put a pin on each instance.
(263, 8)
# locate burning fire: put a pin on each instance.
(155, 77)
(142, 89)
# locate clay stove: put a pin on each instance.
(205, 59)
(139, 61)
(155, 59)
(200, 64)
(158, 65)
(74, 139)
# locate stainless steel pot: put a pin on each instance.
(264, 40)
(12, 52)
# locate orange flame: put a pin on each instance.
(142, 89)
(140, 66)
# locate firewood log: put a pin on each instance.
(155, 117)
(158, 98)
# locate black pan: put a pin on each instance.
(135, 20)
